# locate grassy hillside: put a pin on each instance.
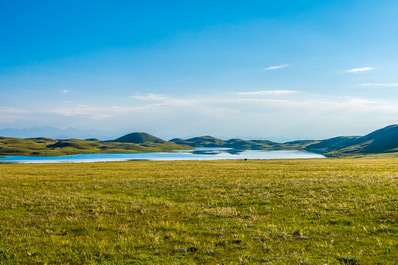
(334, 211)
(139, 138)
(52, 147)
(384, 140)
(202, 141)
(209, 141)
(332, 144)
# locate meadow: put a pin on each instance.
(50, 147)
(318, 211)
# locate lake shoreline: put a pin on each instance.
(180, 155)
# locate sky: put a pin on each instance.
(279, 70)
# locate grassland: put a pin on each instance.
(51, 147)
(334, 211)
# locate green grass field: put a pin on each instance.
(334, 211)
(51, 147)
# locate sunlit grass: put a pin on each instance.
(201, 212)
(50, 147)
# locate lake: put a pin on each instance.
(196, 154)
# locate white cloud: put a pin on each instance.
(159, 99)
(94, 112)
(276, 67)
(12, 110)
(9, 115)
(149, 97)
(268, 93)
(244, 114)
(356, 70)
(65, 91)
(381, 85)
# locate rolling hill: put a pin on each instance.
(131, 143)
(139, 138)
(332, 144)
(202, 141)
(209, 141)
(384, 140)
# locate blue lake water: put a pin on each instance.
(197, 154)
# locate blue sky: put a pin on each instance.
(278, 70)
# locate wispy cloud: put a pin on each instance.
(158, 99)
(356, 70)
(9, 115)
(268, 93)
(276, 67)
(149, 97)
(12, 110)
(281, 117)
(94, 112)
(220, 114)
(380, 85)
(65, 91)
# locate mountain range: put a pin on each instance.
(42, 146)
(384, 140)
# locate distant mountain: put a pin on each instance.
(210, 141)
(384, 140)
(41, 146)
(250, 144)
(139, 138)
(202, 141)
(332, 144)
(52, 132)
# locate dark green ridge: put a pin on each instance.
(51, 147)
(384, 140)
(139, 138)
(332, 144)
(202, 141)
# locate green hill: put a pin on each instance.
(384, 140)
(248, 144)
(332, 144)
(210, 141)
(139, 138)
(202, 141)
(139, 143)
(205, 141)
(44, 140)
